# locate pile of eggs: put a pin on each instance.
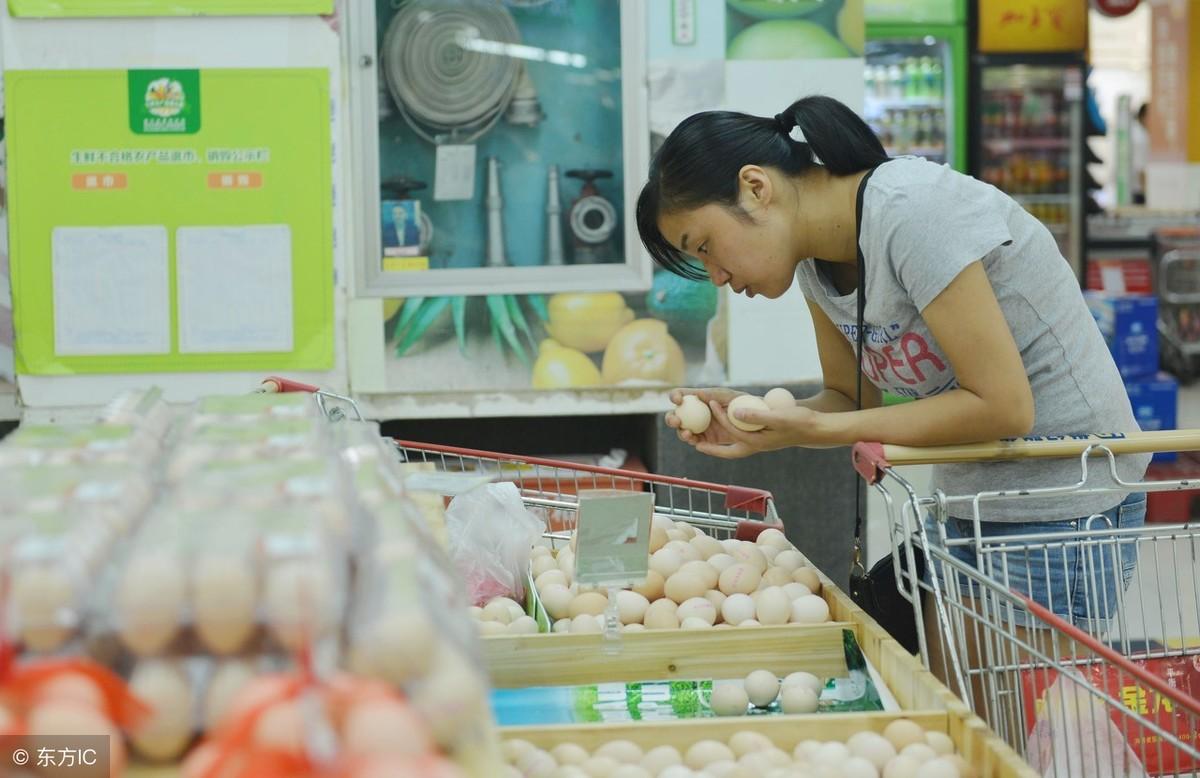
(904, 750)
(503, 616)
(695, 582)
(799, 692)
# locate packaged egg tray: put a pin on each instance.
(694, 582)
(251, 408)
(226, 583)
(235, 442)
(56, 444)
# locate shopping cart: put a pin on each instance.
(1113, 694)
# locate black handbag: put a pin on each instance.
(875, 590)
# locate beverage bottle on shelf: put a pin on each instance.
(926, 78)
(869, 80)
(912, 76)
(885, 129)
(895, 82)
(925, 130)
(938, 77)
(938, 141)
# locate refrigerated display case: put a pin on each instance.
(916, 78)
(1029, 140)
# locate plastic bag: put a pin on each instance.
(491, 537)
(1075, 737)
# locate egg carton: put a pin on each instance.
(67, 444)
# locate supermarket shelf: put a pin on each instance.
(10, 407)
(1006, 145)
(892, 103)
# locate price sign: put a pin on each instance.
(613, 537)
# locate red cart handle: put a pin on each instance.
(276, 385)
(870, 461)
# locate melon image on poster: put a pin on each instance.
(803, 29)
(185, 224)
(75, 8)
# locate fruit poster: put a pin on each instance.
(169, 220)
(73, 8)
(804, 29)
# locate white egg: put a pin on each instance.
(920, 752)
(902, 767)
(775, 576)
(746, 402)
(42, 598)
(777, 756)
(790, 560)
(631, 606)
(750, 623)
(562, 626)
(703, 570)
(729, 544)
(585, 623)
(633, 628)
(662, 614)
(556, 599)
(149, 601)
(165, 688)
(525, 625)
(773, 606)
(748, 741)
(687, 552)
(537, 552)
(903, 732)
(717, 598)
(487, 628)
(770, 552)
(738, 608)
(592, 603)
(750, 554)
(677, 771)
(805, 749)
(808, 680)
(739, 579)
(756, 763)
(623, 751)
(795, 591)
(666, 562)
(513, 749)
(544, 564)
(497, 610)
(810, 609)
(779, 398)
(808, 577)
(939, 768)
(600, 766)
(857, 767)
(762, 686)
(705, 752)
(684, 586)
(693, 414)
(707, 546)
(536, 764)
(660, 758)
(549, 577)
(798, 699)
(772, 537)
(228, 679)
(729, 698)
(569, 753)
(630, 771)
(692, 622)
(720, 562)
(723, 769)
(224, 600)
(940, 742)
(873, 747)
(697, 607)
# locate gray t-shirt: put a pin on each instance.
(922, 225)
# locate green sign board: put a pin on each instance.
(171, 220)
(915, 11)
(71, 8)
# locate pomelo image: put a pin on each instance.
(793, 29)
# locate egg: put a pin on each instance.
(224, 600)
(562, 626)
(677, 535)
(750, 623)
(720, 562)
(662, 615)
(569, 753)
(452, 698)
(790, 560)
(631, 607)
(684, 585)
(729, 544)
(550, 577)
(537, 552)
(739, 579)
(779, 398)
(525, 625)
(737, 608)
(873, 747)
(385, 725)
(808, 577)
(773, 606)
(42, 599)
(902, 767)
(488, 628)
(746, 402)
(703, 570)
(750, 554)
(919, 751)
(903, 732)
(556, 599)
(228, 679)
(692, 622)
(704, 752)
(652, 587)
(693, 414)
(697, 607)
(772, 537)
(149, 600)
(775, 576)
(748, 741)
(164, 687)
(536, 764)
(634, 628)
(593, 603)
(514, 748)
(717, 598)
(67, 719)
(586, 623)
(66, 687)
(658, 538)
(299, 602)
(795, 591)
(623, 751)
(707, 546)
(857, 767)
(757, 763)
(798, 699)
(762, 686)
(940, 742)
(600, 766)
(770, 552)
(475, 612)
(810, 609)
(666, 562)
(660, 758)
(940, 767)
(729, 698)
(687, 552)
(282, 726)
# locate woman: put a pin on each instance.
(969, 307)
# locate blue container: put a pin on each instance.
(1155, 401)
(1130, 327)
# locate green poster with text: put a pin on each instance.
(76, 8)
(171, 220)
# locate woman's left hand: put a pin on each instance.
(797, 426)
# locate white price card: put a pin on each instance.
(612, 545)
(454, 172)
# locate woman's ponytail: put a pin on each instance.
(837, 136)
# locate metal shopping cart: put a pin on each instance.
(1113, 694)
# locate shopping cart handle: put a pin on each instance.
(869, 460)
(275, 384)
(1031, 447)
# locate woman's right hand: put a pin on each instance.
(715, 433)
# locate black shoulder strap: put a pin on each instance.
(856, 560)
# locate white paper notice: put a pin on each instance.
(111, 291)
(454, 172)
(235, 288)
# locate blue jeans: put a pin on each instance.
(1077, 582)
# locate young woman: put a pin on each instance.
(969, 307)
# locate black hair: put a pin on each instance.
(1142, 111)
(699, 162)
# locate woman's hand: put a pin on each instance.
(797, 426)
